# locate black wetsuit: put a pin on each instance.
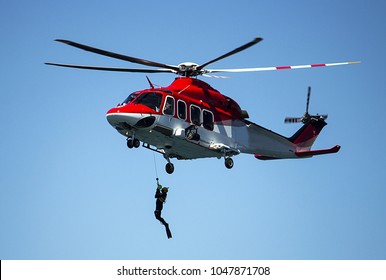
(161, 197)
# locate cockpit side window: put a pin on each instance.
(130, 98)
(169, 106)
(151, 100)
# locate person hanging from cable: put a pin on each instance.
(160, 195)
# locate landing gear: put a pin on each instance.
(169, 167)
(229, 162)
(133, 143)
(136, 143)
(130, 143)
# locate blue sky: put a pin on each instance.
(70, 189)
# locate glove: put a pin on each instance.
(159, 187)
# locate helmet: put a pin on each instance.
(165, 189)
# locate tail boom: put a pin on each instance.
(303, 140)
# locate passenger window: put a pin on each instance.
(195, 115)
(181, 107)
(207, 119)
(169, 106)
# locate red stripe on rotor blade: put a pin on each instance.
(318, 65)
(283, 67)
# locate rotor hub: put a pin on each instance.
(188, 69)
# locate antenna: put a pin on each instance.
(150, 83)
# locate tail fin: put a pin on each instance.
(307, 134)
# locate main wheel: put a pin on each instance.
(229, 163)
(169, 168)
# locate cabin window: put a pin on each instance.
(181, 108)
(207, 119)
(195, 115)
(151, 100)
(169, 106)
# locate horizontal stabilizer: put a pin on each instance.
(332, 150)
(301, 154)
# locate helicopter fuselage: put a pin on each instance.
(189, 120)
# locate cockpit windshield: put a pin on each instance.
(130, 98)
(150, 99)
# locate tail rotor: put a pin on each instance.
(306, 117)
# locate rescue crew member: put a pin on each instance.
(160, 195)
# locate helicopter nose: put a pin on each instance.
(121, 121)
(145, 122)
(125, 121)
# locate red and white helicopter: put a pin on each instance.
(189, 119)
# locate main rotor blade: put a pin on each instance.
(239, 49)
(279, 67)
(116, 69)
(118, 56)
(308, 99)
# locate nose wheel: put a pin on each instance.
(133, 143)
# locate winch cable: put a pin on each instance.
(155, 167)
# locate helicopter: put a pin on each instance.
(189, 119)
